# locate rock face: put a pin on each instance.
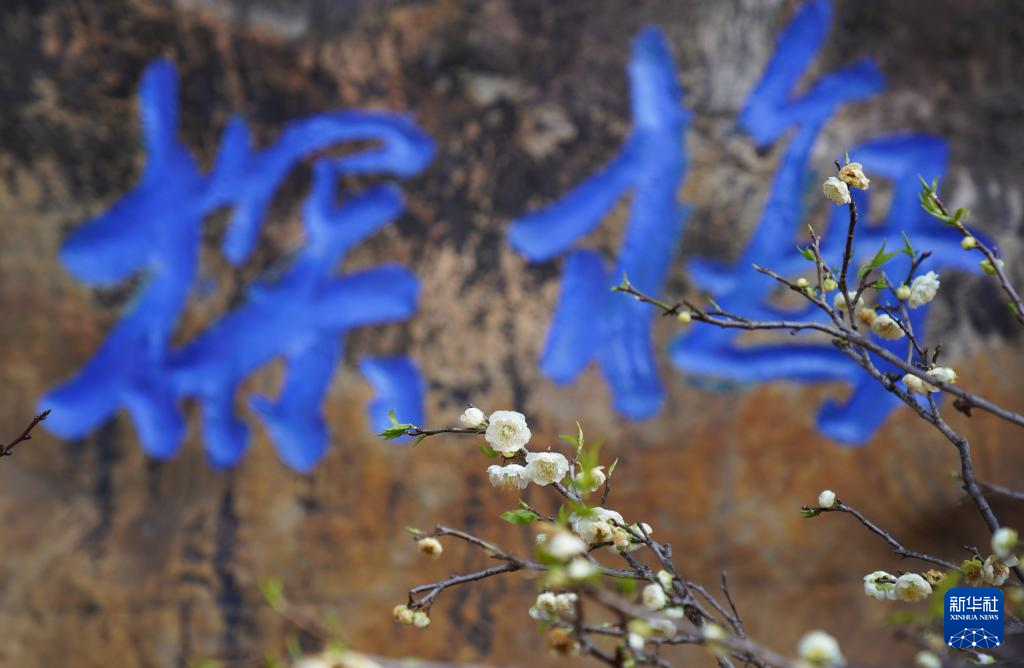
(113, 559)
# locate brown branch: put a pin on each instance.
(1004, 281)
(898, 548)
(25, 435)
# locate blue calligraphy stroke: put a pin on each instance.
(771, 111)
(154, 232)
(589, 321)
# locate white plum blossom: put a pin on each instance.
(430, 547)
(923, 289)
(472, 418)
(622, 540)
(925, 659)
(880, 585)
(547, 602)
(507, 432)
(512, 476)
(820, 649)
(839, 302)
(544, 468)
(915, 385)
(836, 191)
(912, 588)
(654, 597)
(662, 628)
(995, 572)
(853, 174)
(714, 633)
(597, 478)
(597, 526)
(580, 569)
(827, 498)
(565, 604)
(563, 546)
(887, 328)
(636, 642)
(984, 659)
(943, 374)
(1004, 540)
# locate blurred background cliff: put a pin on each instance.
(112, 558)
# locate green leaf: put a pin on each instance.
(414, 531)
(714, 304)
(880, 258)
(206, 663)
(809, 513)
(626, 586)
(488, 451)
(519, 516)
(611, 469)
(907, 248)
(273, 591)
(293, 647)
(807, 253)
(397, 429)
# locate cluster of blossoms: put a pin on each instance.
(403, 614)
(995, 569)
(837, 189)
(909, 587)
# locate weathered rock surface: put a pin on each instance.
(111, 559)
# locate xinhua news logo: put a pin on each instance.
(974, 618)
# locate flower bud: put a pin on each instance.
(903, 292)
(1004, 540)
(968, 243)
(420, 620)
(853, 175)
(829, 284)
(654, 596)
(402, 614)
(988, 268)
(827, 498)
(472, 418)
(866, 316)
(836, 191)
(802, 283)
(430, 547)
(887, 328)
(561, 642)
(684, 317)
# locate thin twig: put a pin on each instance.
(26, 435)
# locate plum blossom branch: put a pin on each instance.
(921, 375)
(571, 575)
(897, 548)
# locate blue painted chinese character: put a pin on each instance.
(589, 320)
(770, 111)
(154, 231)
